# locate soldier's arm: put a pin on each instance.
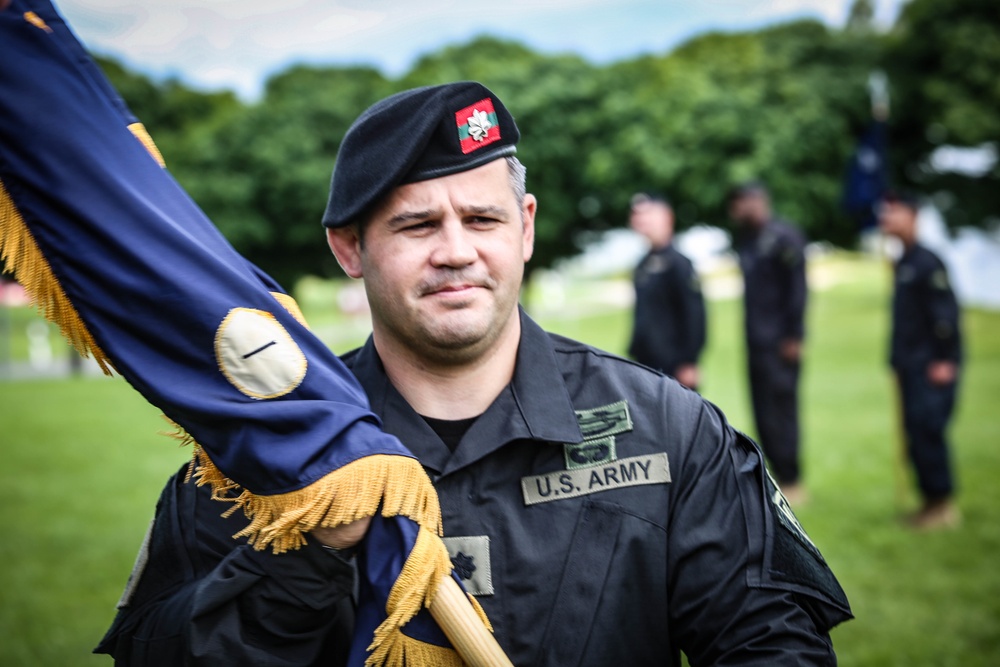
(942, 313)
(204, 598)
(692, 316)
(793, 259)
(747, 585)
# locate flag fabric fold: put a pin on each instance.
(114, 252)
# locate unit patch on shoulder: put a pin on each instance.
(470, 556)
(605, 420)
(257, 355)
(939, 280)
(787, 519)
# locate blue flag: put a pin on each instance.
(114, 252)
(866, 179)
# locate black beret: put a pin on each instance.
(416, 135)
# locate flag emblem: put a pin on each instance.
(477, 125)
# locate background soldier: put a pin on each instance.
(668, 331)
(772, 260)
(925, 353)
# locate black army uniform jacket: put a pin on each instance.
(600, 513)
(669, 327)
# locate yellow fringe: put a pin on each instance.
(480, 611)
(415, 587)
(280, 520)
(139, 130)
(292, 306)
(21, 256)
(407, 651)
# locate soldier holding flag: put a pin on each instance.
(597, 511)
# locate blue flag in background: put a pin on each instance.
(866, 179)
(115, 253)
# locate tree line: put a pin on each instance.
(785, 104)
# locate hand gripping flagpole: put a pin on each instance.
(113, 251)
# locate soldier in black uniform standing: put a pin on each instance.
(600, 513)
(926, 355)
(668, 331)
(772, 260)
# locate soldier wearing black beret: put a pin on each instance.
(926, 355)
(599, 513)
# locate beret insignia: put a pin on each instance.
(477, 125)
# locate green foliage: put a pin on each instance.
(942, 58)
(783, 104)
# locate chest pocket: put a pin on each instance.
(604, 569)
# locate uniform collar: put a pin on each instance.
(534, 406)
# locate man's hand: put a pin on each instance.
(791, 350)
(941, 373)
(343, 537)
(687, 375)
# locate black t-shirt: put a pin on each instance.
(450, 430)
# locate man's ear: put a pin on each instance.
(528, 210)
(346, 247)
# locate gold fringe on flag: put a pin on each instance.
(362, 486)
(21, 256)
(281, 520)
(139, 130)
(415, 587)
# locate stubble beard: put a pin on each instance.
(453, 337)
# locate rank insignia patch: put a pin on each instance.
(470, 557)
(477, 125)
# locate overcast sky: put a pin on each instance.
(236, 44)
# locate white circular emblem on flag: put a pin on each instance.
(257, 355)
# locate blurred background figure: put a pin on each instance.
(668, 331)
(925, 353)
(772, 259)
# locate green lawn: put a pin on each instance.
(84, 464)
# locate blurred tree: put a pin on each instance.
(264, 178)
(783, 104)
(942, 58)
(861, 16)
(780, 104)
(169, 109)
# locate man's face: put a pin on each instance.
(654, 220)
(752, 209)
(442, 262)
(896, 219)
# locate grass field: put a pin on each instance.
(83, 466)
